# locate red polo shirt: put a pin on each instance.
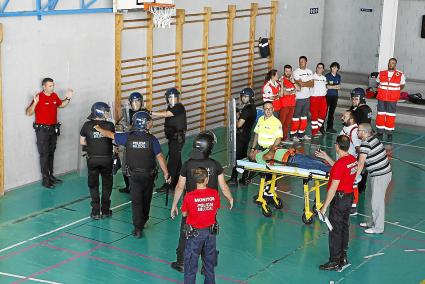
(201, 206)
(344, 170)
(46, 111)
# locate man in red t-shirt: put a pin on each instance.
(339, 198)
(45, 106)
(200, 207)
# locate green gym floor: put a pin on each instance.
(46, 236)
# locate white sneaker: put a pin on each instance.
(306, 137)
(296, 139)
(365, 225)
(373, 231)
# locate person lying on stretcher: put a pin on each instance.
(288, 157)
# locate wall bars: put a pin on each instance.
(206, 76)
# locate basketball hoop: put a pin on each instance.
(162, 14)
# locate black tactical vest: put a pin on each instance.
(97, 144)
(139, 151)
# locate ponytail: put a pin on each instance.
(269, 75)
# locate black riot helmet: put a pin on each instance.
(359, 93)
(171, 96)
(204, 143)
(140, 121)
(248, 92)
(99, 110)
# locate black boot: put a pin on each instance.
(54, 179)
(246, 178)
(380, 136)
(389, 137)
(233, 180)
(344, 260)
(330, 265)
(47, 183)
(178, 265)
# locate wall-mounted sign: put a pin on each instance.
(367, 10)
(314, 11)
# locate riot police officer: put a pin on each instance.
(142, 148)
(245, 120)
(136, 102)
(361, 111)
(199, 157)
(175, 131)
(99, 159)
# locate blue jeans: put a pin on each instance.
(204, 243)
(309, 163)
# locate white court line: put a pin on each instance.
(55, 230)
(24, 277)
(388, 222)
(373, 255)
(412, 250)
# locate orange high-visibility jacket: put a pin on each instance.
(389, 89)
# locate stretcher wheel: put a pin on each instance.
(307, 222)
(267, 213)
(279, 204)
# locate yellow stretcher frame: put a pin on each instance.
(309, 212)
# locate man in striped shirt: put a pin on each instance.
(374, 158)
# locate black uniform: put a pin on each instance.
(243, 134)
(362, 114)
(214, 170)
(141, 150)
(175, 131)
(131, 113)
(99, 161)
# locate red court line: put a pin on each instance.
(30, 247)
(118, 249)
(38, 273)
(135, 269)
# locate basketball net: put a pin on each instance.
(162, 15)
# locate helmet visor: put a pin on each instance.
(172, 100)
(136, 105)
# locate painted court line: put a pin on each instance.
(373, 255)
(31, 279)
(388, 222)
(55, 230)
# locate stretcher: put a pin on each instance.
(277, 172)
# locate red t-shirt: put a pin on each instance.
(288, 100)
(46, 111)
(201, 206)
(344, 170)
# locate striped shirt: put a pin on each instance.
(377, 163)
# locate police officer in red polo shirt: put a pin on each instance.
(45, 106)
(339, 199)
(200, 209)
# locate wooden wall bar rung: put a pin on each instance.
(212, 98)
(214, 109)
(240, 80)
(133, 59)
(192, 70)
(134, 81)
(191, 103)
(195, 15)
(219, 12)
(134, 66)
(166, 82)
(265, 8)
(136, 20)
(242, 42)
(192, 128)
(215, 116)
(264, 14)
(164, 76)
(241, 67)
(196, 96)
(163, 61)
(217, 46)
(242, 16)
(160, 90)
(133, 74)
(194, 21)
(192, 84)
(217, 72)
(219, 19)
(216, 66)
(217, 78)
(238, 87)
(214, 85)
(240, 55)
(193, 63)
(192, 57)
(216, 91)
(135, 27)
(217, 52)
(241, 61)
(195, 108)
(243, 10)
(164, 55)
(193, 50)
(217, 59)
